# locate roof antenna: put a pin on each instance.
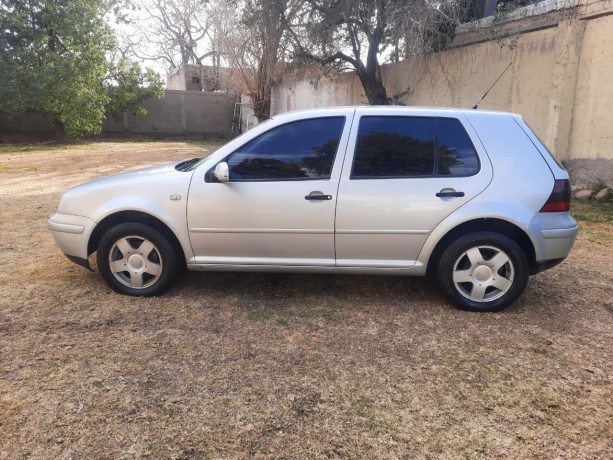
(476, 106)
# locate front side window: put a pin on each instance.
(300, 150)
(399, 147)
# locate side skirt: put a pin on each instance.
(416, 270)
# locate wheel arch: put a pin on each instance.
(480, 225)
(140, 217)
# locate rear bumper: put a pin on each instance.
(545, 265)
(553, 235)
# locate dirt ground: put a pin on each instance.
(235, 366)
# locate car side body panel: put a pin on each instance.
(165, 199)
(510, 151)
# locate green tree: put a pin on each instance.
(53, 60)
(128, 86)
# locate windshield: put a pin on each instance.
(192, 164)
(195, 162)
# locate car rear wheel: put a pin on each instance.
(483, 271)
(137, 260)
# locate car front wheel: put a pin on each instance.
(483, 271)
(137, 260)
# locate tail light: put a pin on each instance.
(559, 200)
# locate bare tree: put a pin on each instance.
(256, 46)
(359, 33)
(248, 36)
(256, 38)
(173, 32)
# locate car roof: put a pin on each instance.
(400, 108)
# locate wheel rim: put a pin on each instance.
(135, 262)
(483, 273)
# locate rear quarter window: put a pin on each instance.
(456, 152)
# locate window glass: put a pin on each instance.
(300, 150)
(394, 147)
(456, 153)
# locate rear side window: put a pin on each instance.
(300, 150)
(394, 147)
(400, 147)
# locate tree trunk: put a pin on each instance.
(60, 131)
(261, 108)
(261, 101)
(374, 89)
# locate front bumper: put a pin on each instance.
(71, 233)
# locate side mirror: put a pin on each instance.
(222, 173)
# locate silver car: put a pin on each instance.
(470, 196)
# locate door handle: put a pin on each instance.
(446, 193)
(318, 197)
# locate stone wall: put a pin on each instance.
(560, 77)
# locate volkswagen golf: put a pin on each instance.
(470, 196)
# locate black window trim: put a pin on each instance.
(209, 176)
(436, 153)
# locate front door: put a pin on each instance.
(279, 204)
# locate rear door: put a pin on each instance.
(408, 172)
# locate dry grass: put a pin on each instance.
(285, 366)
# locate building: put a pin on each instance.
(192, 77)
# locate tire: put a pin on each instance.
(483, 272)
(135, 259)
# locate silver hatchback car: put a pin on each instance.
(471, 196)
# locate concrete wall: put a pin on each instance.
(592, 134)
(25, 124)
(181, 113)
(560, 78)
(248, 120)
(178, 113)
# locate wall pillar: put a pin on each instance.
(563, 86)
(183, 121)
